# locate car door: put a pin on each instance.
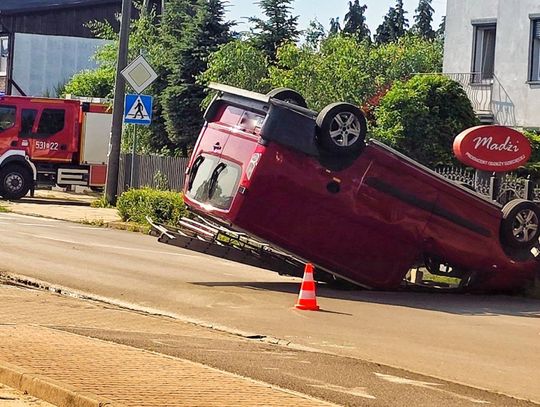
(50, 131)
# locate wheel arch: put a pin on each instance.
(19, 158)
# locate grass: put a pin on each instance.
(4, 209)
(93, 222)
(101, 203)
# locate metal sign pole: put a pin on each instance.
(133, 157)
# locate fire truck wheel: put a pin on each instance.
(288, 95)
(15, 181)
(520, 227)
(342, 128)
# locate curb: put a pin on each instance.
(49, 390)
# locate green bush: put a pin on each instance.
(161, 206)
(421, 118)
(533, 166)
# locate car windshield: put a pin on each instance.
(213, 181)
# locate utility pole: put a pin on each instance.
(118, 106)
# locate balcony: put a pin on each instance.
(490, 100)
(479, 89)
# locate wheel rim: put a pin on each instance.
(525, 226)
(345, 129)
(14, 182)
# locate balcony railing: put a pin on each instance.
(478, 89)
(489, 99)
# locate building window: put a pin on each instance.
(535, 52)
(484, 52)
(3, 55)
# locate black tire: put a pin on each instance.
(15, 181)
(289, 96)
(520, 227)
(342, 128)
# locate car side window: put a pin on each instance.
(28, 117)
(51, 122)
(7, 117)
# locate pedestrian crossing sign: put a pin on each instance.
(138, 109)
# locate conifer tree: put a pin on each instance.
(355, 21)
(279, 27)
(315, 34)
(335, 26)
(423, 19)
(201, 30)
(442, 28)
(401, 23)
(393, 26)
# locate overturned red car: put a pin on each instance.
(309, 184)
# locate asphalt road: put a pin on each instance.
(488, 342)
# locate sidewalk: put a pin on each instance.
(64, 206)
(40, 355)
(10, 397)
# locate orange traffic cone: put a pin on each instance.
(307, 300)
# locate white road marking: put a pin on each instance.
(106, 246)
(427, 385)
(356, 391)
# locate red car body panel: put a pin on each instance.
(368, 222)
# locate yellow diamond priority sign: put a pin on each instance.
(139, 74)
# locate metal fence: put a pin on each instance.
(501, 188)
(151, 171)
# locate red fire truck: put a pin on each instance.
(47, 142)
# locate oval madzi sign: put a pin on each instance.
(492, 148)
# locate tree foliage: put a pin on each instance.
(394, 25)
(99, 82)
(442, 28)
(355, 21)
(315, 34)
(335, 26)
(239, 64)
(202, 32)
(279, 27)
(423, 19)
(422, 116)
(344, 69)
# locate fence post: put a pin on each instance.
(494, 184)
(529, 189)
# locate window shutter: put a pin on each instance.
(537, 29)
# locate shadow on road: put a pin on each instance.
(453, 303)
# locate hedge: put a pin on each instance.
(161, 206)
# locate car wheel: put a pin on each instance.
(520, 225)
(288, 95)
(15, 181)
(342, 128)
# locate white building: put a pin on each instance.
(493, 48)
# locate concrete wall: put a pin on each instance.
(458, 41)
(42, 62)
(515, 102)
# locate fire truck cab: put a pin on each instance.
(44, 142)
